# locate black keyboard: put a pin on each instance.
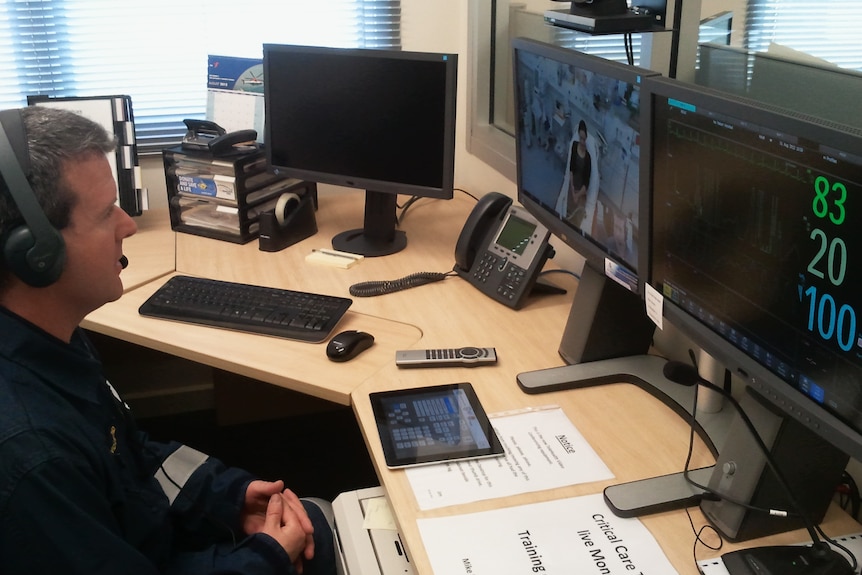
(256, 309)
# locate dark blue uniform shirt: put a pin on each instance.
(83, 491)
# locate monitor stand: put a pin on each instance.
(605, 341)
(379, 236)
(655, 494)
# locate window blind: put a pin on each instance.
(156, 50)
(825, 29)
(609, 46)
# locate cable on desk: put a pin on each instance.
(848, 492)
(375, 288)
(414, 199)
(577, 276)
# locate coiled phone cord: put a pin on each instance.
(375, 288)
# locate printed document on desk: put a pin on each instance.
(544, 450)
(576, 535)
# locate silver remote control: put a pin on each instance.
(453, 357)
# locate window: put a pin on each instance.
(826, 29)
(156, 50)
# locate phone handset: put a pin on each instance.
(486, 214)
(502, 249)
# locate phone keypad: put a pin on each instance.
(485, 267)
(510, 287)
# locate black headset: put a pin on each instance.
(35, 251)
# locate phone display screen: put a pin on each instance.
(516, 234)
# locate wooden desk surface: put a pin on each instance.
(635, 434)
(299, 366)
(445, 314)
(432, 228)
(450, 313)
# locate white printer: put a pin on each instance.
(366, 551)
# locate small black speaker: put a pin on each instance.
(34, 251)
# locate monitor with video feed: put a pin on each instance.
(752, 212)
(578, 163)
(378, 120)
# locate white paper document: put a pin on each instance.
(578, 535)
(544, 450)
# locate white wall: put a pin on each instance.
(441, 26)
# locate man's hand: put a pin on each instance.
(282, 524)
(258, 500)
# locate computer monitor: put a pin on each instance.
(585, 193)
(753, 234)
(380, 120)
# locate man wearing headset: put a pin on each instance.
(82, 490)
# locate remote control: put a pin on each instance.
(453, 357)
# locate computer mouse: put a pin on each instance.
(348, 344)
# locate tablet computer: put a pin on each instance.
(433, 424)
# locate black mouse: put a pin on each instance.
(348, 344)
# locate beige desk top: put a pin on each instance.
(432, 228)
(635, 434)
(445, 314)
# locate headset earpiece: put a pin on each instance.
(34, 251)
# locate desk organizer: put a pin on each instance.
(223, 197)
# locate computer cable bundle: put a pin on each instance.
(685, 374)
(849, 495)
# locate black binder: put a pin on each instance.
(114, 113)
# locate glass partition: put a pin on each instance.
(820, 90)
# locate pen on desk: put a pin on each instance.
(337, 254)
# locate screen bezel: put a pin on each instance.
(593, 252)
(782, 394)
(395, 458)
(450, 63)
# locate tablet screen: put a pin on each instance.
(431, 424)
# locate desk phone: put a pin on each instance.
(501, 250)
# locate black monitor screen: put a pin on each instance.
(578, 148)
(756, 215)
(379, 120)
